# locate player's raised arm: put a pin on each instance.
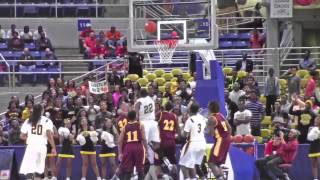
(120, 143)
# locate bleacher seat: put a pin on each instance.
(231, 36)
(3, 46)
(240, 44)
(245, 36)
(17, 54)
(7, 55)
(30, 46)
(35, 54)
(225, 44)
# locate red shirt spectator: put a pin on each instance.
(288, 151)
(99, 52)
(312, 83)
(256, 41)
(113, 34)
(272, 146)
(86, 32)
(90, 42)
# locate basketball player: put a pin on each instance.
(168, 127)
(122, 118)
(37, 130)
(132, 148)
(194, 150)
(221, 131)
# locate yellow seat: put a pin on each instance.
(241, 74)
(283, 83)
(305, 119)
(302, 72)
(151, 76)
(227, 71)
(126, 79)
(174, 87)
(259, 139)
(162, 89)
(167, 76)
(263, 99)
(168, 84)
(186, 76)
(174, 79)
(159, 72)
(265, 133)
(145, 72)
(133, 77)
(176, 71)
(143, 81)
(160, 81)
(266, 121)
(303, 83)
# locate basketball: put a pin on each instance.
(174, 34)
(150, 27)
(237, 139)
(248, 138)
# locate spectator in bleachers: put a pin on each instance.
(27, 109)
(258, 21)
(121, 49)
(231, 109)
(236, 93)
(256, 41)
(15, 43)
(280, 115)
(113, 36)
(25, 64)
(83, 35)
(3, 136)
(284, 103)
(26, 34)
(14, 134)
(99, 52)
(293, 81)
(13, 112)
(2, 35)
(245, 64)
(251, 83)
(135, 63)
(11, 31)
(242, 119)
(312, 84)
(102, 115)
(37, 33)
(90, 43)
(50, 59)
(258, 112)
(101, 38)
(43, 43)
(307, 62)
(271, 91)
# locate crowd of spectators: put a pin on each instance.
(109, 44)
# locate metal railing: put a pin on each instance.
(7, 69)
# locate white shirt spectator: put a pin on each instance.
(235, 95)
(2, 34)
(9, 34)
(243, 129)
(24, 35)
(36, 34)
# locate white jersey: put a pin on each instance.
(196, 125)
(37, 135)
(147, 109)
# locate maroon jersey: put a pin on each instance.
(121, 122)
(168, 125)
(132, 133)
(221, 129)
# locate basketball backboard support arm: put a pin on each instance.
(135, 21)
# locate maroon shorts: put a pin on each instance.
(168, 149)
(219, 151)
(133, 156)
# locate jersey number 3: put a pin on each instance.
(148, 109)
(36, 130)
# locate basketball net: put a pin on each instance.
(166, 49)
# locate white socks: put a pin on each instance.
(98, 178)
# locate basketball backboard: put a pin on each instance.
(192, 22)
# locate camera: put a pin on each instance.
(285, 131)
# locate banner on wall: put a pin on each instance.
(98, 87)
(281, 8)
(83, 24)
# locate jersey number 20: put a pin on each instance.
(148, 109)
(36, 130)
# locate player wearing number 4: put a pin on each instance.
(132, 148)
(221, 130)
(194, 150)
(37, 131)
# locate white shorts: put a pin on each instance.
(34, 159)
(192, 154)
(151, 131)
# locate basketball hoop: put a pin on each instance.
(166, 49)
